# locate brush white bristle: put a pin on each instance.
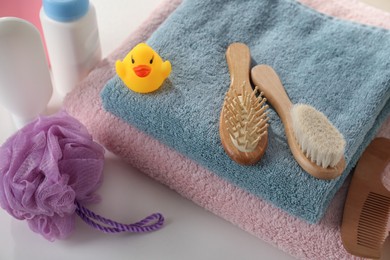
(246, 118)
(322, 143)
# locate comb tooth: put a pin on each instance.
(377, 204)
(369, 245)
(362, 236)
(379, 198)
(375, 209)
(371, 232)
(378, 201)
(370, 217)
(371, 214)
(366, 242)
(366, 238)
(371, 242)
(368, 225)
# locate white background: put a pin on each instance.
(190, 232)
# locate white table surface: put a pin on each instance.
(190, 232)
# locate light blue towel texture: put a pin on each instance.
(339, 67)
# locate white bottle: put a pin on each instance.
(25, 84)
(72, 39)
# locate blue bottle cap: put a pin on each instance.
(65, 10)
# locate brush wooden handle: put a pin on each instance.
(238, 58)
(269, 83)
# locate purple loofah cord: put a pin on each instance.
(111, 226)
(49, 169)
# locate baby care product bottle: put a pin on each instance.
(72, 38)
(25, 84)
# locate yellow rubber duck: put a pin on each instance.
(143, 70)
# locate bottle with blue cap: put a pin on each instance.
(72, 39)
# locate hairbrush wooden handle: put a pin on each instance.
(269, 83)
(238, 58)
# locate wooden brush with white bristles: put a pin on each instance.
(315, 143)
(243, 121)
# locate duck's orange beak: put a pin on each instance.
(142, 70)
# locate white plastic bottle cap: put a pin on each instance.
(65, 10)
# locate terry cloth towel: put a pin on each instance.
(341, 68)
(294, 236)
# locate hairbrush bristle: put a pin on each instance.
(322, 143)
(246, 118)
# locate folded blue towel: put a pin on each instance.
(339, 67)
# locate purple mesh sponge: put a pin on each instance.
(49, 169)
(44, 168)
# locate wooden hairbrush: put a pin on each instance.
(315, 143)
(243, 120)
(367, 207)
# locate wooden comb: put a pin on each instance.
(367, 208)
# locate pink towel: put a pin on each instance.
(292, 235)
